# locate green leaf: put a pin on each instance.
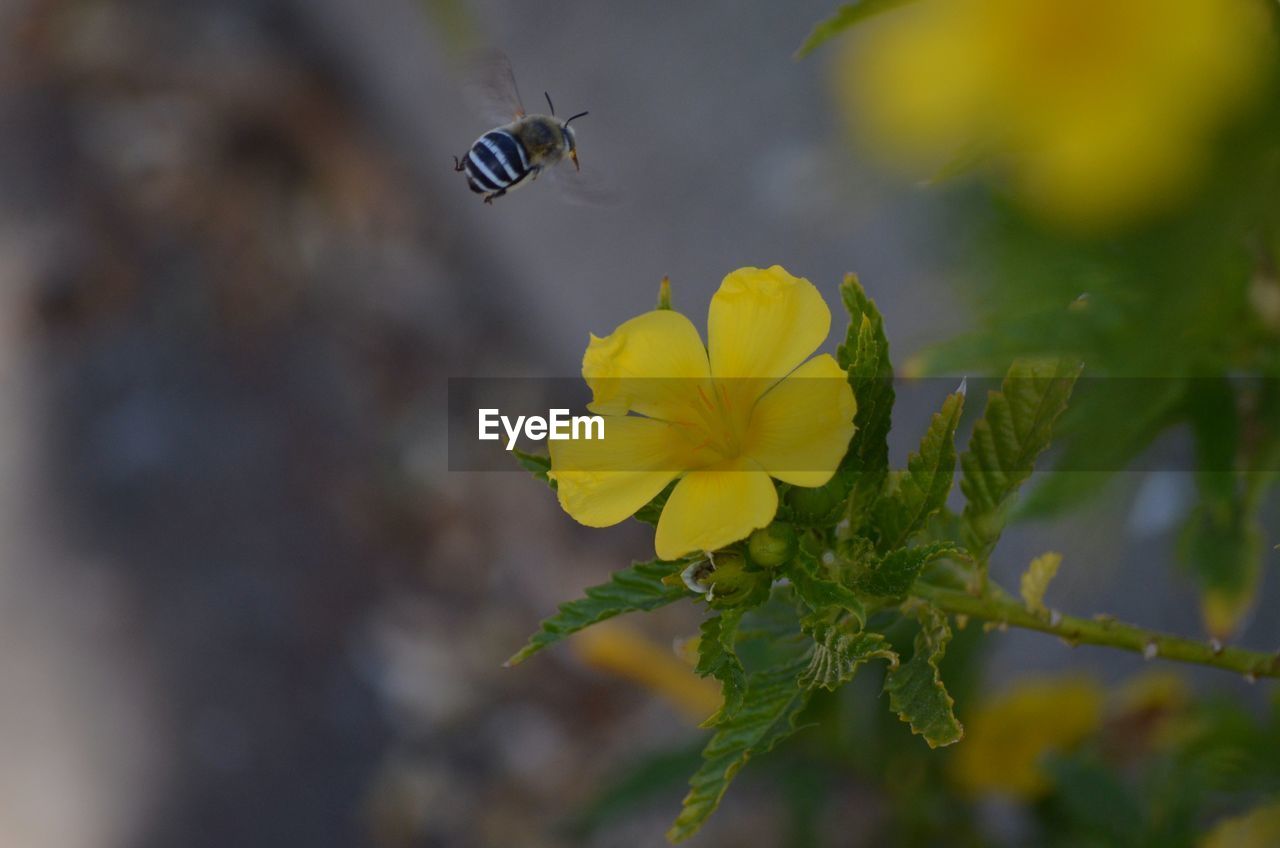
(768, 715)
(813, 585)
(1222, 540)
(922, 490)
(1036, 579)
(1015, 429)
(1213, 408)
(1108, 424)
(638, 587)
(868, 353)
(892, 575)
(865, 355)
(837, 653)
(536, 464)
(915, 688)
(1223, 546)
(848, 15)
(774, 621)
(718, 658)
(817, 506)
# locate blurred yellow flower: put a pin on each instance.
(1099, 111)
(1152, 692)
(1148, 713)
(1224, 610)
(1009, 735)
(724, 418)
(620, 650)
(1258, 828)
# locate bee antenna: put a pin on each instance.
(575, 117)
(549, 103)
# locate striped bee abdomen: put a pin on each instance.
(496, 162)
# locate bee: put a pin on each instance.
(507, 156)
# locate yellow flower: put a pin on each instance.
(1009, 735)
(724, 418)
(1258, 828)
(1098, 110)
(618, 649)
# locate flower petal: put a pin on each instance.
(763, 323)
(603, 481)
(710, 508)
(653, 364)
(800, 429)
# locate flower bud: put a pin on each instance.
(818, 506)
(732, 582)
(772, 546)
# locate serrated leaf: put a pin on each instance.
(815, 586)
(916, 691)
(1108, 423)
(536, 464)
(640, 587)
(848, 15)
(862, 308)
(718, 658)
(1035, 580)
(768, 715)
(865, 355)
(1015, 429)
(837, 653)
(892, 575)
(774, 621)
(922, 489)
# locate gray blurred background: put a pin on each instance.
(242, 602)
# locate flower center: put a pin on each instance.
(719, 421)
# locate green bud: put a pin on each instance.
(732, 582)
(821, 505)
(664, 293)
(772, 546)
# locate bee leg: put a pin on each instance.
(457, 166)
(488, 198)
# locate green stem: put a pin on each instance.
(998, 607)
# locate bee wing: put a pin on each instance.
(490, 86)
(583, 188)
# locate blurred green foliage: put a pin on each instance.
(1176, 317)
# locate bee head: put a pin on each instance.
(570, 140)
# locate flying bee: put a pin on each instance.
(502, 158)
(506, 157)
